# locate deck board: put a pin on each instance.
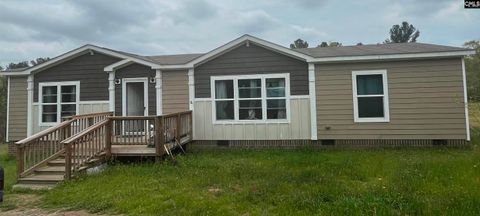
(132, 150)
(140, 150)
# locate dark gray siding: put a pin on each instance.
(252, 60)
(135, 71)
(88, 69)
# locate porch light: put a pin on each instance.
(118, 81)
(152, 80)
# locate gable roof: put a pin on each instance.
(318, 54)
(248, 39)
(80, 51)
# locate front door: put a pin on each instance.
(134, 103)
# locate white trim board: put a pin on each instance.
(386, 108)
(8, 111)
(465, 100)
(30, 87)
(58, 103)
(264, 98)
(392, 56)
(313, 101)
(145, 93)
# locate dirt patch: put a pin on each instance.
(27, 204)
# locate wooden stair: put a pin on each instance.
(53, 172)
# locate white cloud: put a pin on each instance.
(32, 29)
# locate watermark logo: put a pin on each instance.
(469, 4)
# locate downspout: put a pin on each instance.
(158, 91)
(29, 105)
(313, 101)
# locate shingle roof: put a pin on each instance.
(15, 69)
(174, 59)
(377, 49)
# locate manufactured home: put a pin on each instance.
(254, 93)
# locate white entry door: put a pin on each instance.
(135, 97)
(134, 103)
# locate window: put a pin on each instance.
(370, 96)
(57, 100)
(246, 98)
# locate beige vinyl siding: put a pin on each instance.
(426, 101)
(174, 91)
(17, 108)
(297, 129)
(83, 108)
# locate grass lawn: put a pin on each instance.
(432, 182)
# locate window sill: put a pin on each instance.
(252, 122)
(371, 120)
(47, 124)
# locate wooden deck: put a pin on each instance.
(85, 141)
(141, 150)
(132, 150)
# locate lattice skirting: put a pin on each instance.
(297, 144)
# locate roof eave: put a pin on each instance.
(393, 56)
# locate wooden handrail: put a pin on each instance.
(92, 115)
(177, 113)
(45, 145)
(132, 117)
(88, 130)
(44, 132)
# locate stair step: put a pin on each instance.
(51, 170)
(57, 162)
(41, 179)
(32, 186)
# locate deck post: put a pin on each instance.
(191, 126)
(159, 137)
(179, 127)
(108, 138)
(20, 161)
(68, 161)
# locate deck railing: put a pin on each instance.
(151, 130)
(84, 137)
(86, 145)
(36, 150)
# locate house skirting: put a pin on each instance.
(350, 143)
(11, 149)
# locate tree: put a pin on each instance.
(406, 33)
(359, 44)
(331, 44)
(472, 67)
(299, 43)
(22, 64)
(39, 61)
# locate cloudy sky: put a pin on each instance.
(47, 28)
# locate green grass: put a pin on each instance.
(346, 182)
(8, 164)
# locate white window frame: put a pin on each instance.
(264, 98)
(386, 107)
(59, 100)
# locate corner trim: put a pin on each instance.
(313, 101)
(111, 91)
(29, 105)
(465, 99)
(8, 111)
(191, 87)
(158, 92)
